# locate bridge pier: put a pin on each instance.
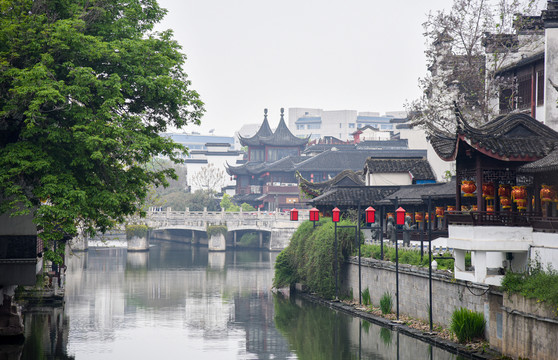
(138, 243)
(217, 242)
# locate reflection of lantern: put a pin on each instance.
(468, 187)
(314, 214)
(488, 190)
(451, 208)
(400, 216)
(547, 193)
(418, 217)
(439, 211)
(335, 215)
(505, 202)
(370, 214)
(294, 214)
(504, 190)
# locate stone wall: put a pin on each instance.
(448, 294)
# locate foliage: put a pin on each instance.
(227, 204)
(309, 258)
(216, 230)
(86, 88)
(247, 207)
(196, 201)
(250, 239)
(457, 64)
(386, 303)
(538, 283)
(406, 256)
(209, 178)
(136, 231)
(467, 325)
(366, 297)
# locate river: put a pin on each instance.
(182, 302)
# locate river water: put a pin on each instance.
(183, 302)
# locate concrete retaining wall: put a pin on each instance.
(448, 294)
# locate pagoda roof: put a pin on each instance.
(263, 131)
(512, 137)
(344, 178)
(546, 164)
(286, 164)
(419, 169)
(366, 195)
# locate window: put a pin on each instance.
(300, 127)
(340, 125)
(540, 87)
(351, 125)
(313, 126)
(524, 91)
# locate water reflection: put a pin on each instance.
(180, 301)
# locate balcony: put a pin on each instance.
(504, 218)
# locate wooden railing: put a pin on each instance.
(504, 218)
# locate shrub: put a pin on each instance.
(366, 297)
(467, 325)
(406, 256)
(136, 230)
(216, 229)
(386, 302)
(250, 240)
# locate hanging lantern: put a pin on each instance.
(439, 211)
(294, 214)
(370, 215)
(490, 208)
(410, 214)
(505, 202)
(504, 190)
(427, 217)
(547, 193)
(418, 217)
(474, 208)
(519, 193)
(335, 215)
(488, 190)
(451, 208)
(400, 216)
(521, 204)
(314, 214)
(468, 187)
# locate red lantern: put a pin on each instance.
(474, 208)
(505, 202)
(451, 208)
(490, 208)
(519, 193)
(314, 214)
(370, 215)
(504, 190)
(439, 211)
(488, 190)
(410, 214)
(418, 217)
(400, 216)
(294, 214)
(547, 193)
(335, 215)
(468, 187)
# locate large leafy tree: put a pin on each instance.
(86, 86)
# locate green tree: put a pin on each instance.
(85, 89)
(227, 204)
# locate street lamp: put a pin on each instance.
(335, 217)
(294, 214)
(314, 215)
(400, 221)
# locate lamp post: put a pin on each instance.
(400, 215)
(335, 217)
(294, 214)
(369, 219)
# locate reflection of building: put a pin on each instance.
(255, 313)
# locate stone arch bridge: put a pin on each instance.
(275, 227)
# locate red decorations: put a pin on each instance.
(468, 187)
(490, 208)
(314, 214)
(410, 214)
(294, 214)
(390, 215)
(400, 216)
(488, 190)
(474, 208)
(439, 211)
(451, 208)
(418, 217)
(519, 197)
(370, 214)
(547, 193)
(505, 202)
(335, 215)
(504, 190)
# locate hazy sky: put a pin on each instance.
(247, 55)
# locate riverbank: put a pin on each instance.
(434, 338)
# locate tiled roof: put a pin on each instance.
(264, 131)
(416, 194)
(513, 137)
(419, 168)
(335, 161)
(367, 195)
(546, 164)
(344, 178)
(283, 137)
(286, 164)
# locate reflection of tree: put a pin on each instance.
(314, 332)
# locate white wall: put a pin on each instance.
(388, 179)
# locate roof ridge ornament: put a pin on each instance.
(282, 113)
(458, 116)
(265, 114)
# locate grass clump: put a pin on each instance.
(386, 303)
(309, 258)
(216, 230)
(467, 325)
(366, 297)
(406, 256)
(537, 283)
(136, 231)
